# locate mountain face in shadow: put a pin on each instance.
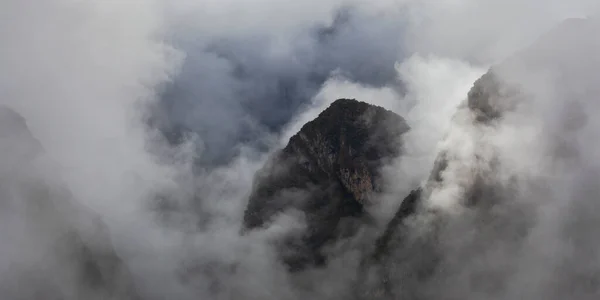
(327, 172)
(41, 222)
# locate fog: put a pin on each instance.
(155, 115)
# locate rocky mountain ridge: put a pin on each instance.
(328, 171)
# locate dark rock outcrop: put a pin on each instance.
(328, 171)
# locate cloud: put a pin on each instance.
(486, 31)
(515, 182)
(259, 77)
(242, 76)
(78, 72)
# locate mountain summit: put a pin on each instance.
(328, 172)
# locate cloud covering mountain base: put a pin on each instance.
(105, 86)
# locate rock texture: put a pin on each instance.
(328, 171)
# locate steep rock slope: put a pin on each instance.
(328, 171)
(466, 233)
(40, 222)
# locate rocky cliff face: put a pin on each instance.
(328, 172)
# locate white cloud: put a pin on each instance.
(79, 71)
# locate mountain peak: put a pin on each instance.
(328, 171)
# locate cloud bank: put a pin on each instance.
(100, 83)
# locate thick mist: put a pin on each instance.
(155, 115)
(260, 76)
